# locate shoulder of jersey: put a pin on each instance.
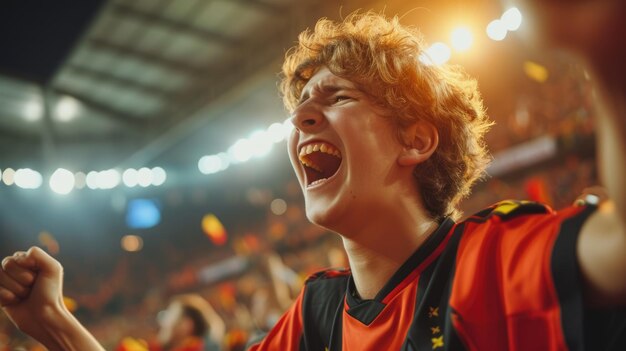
(509, 209)
(328, 274)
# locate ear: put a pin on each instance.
(421, 140)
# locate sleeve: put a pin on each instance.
(583, 328)
(516, 284)
(287, 332)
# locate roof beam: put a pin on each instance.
(114, 114)
(172, 65)
(177, 26)
(116, 80)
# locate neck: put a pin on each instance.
(377, 255)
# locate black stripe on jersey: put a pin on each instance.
(366, 311)
(322, 305)
(565, 272)
(434, 290)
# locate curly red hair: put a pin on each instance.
(382, 57)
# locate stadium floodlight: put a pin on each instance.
(108, 179)
(512, 19)
(461, 39)
(130, 177)
(158, 176)
(496, 30)
(241, 151)
(437, 54)
(260, 143)
(27, 178)
(62, 181)
(67, 109)
(144, 177)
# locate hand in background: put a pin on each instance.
(31, 285)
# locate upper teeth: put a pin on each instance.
(315, 147)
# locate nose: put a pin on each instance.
(308, 118)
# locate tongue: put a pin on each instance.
(327, 163)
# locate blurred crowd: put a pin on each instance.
(252, 279)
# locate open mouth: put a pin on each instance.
(321, 161)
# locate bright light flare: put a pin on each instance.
(80, 180)
(108, 179)
(214, 229)
(158, 176)
(27, 178)
(437, 54)
(130, 178)
(8, 176)
(67, 109)
(209, 164)
(461, 39)
(278, 206)
(62, 181)
(33, 111)
(277, 132)
(288, 127)
(132, 243)
(512, 19)
(92, 180)
(261, 143)
(144, 177)
(241, 151)
(496, 30)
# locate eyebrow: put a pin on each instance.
(327, 89)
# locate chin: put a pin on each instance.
(323, 216)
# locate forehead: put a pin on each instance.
(324, 78)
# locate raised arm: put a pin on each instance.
(594, 31)
(31, 294)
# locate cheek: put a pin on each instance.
(292, 149)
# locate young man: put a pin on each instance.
(384, 148)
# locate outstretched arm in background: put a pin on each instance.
(31, 294)
(594, 31)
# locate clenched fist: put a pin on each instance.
(31, 294)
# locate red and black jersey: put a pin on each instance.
(504, 279)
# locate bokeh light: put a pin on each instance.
(278, 206)
(144, 177)
(214, 229)
(260, 143)
(130, 177)
(241, 151)
(512, 19)
(62, 181)
(27, 178)
(67, 109)
(51, 244)
(92, 180)
(536, 71)
(132, 243)
(80, 180)
(461, 39)
(437, 54)
(108, 179)
(158, 176)
(142, 214)
(496, 30)
(8, 176)
(32, 111)
(277, 132)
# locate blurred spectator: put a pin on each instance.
(188, 324)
